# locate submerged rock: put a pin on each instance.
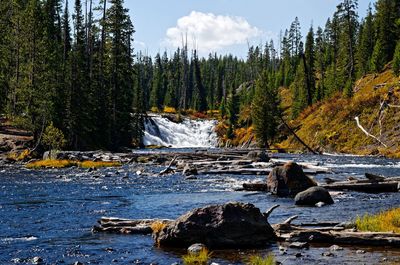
(196, 248)
(313, 196)
(288, 180)
(258, 156)
(190, 170)
(231, 225)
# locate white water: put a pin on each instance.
(187, 134)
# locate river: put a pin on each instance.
(49, 213)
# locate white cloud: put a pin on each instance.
(209, 32)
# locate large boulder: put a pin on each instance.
(312, 196)
(232, 225)
(288, 180)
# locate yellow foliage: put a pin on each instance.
(258, 260)
(50, 163)
(169, 110)
(157, 227)
(330, 125)
(155, 110)
(19, 156)
(99, 164)
(388, 221)
(197, 259)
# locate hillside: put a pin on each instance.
(330, 126)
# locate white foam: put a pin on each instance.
(187, 134)
(18, 239)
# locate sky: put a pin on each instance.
(222, 26)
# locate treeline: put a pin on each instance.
(83, 77)
(73, 71)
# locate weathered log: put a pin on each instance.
(127, 226)
(374, 177)
(392, 186)
(247, 171)
(270, 210)
(345, 238)
(169, 168)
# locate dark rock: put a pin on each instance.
(78, 263)
(258, 156)
(196, 248)
(190, 170)
(191, 178)
(288, 180)
(312, 196)
(231, 225)
(298, 255)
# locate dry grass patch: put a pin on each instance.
(200, 258)
(388, 221)
(51, 163)
(258, 260)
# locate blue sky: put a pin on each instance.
(224, 26)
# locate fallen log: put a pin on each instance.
(392, 186)
(127, 226)
(247, 171)
(344, 238)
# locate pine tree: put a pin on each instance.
(201, 98)
(366, 43)
(348, 19)
(265, 111)
(396, 59)
(386, 17)
(120, 30)
(310, 65)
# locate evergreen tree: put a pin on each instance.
(265, 111)
(396, 60)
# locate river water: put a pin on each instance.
(49, 213)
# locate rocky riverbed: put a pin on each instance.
(50, 213)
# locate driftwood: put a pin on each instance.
(169, 168)
(367, 133)
(364, 187)
(372, 184)
(297, 137)
(127, 226)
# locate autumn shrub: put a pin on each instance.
(171, 110)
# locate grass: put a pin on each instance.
(388, 221)
(259, 260)
(51, 163)
(197, 259)
(99, 164)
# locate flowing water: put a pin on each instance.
(50, 213)
(187, 134)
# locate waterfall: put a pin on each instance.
(187, 134)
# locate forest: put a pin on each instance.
(80, 72)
